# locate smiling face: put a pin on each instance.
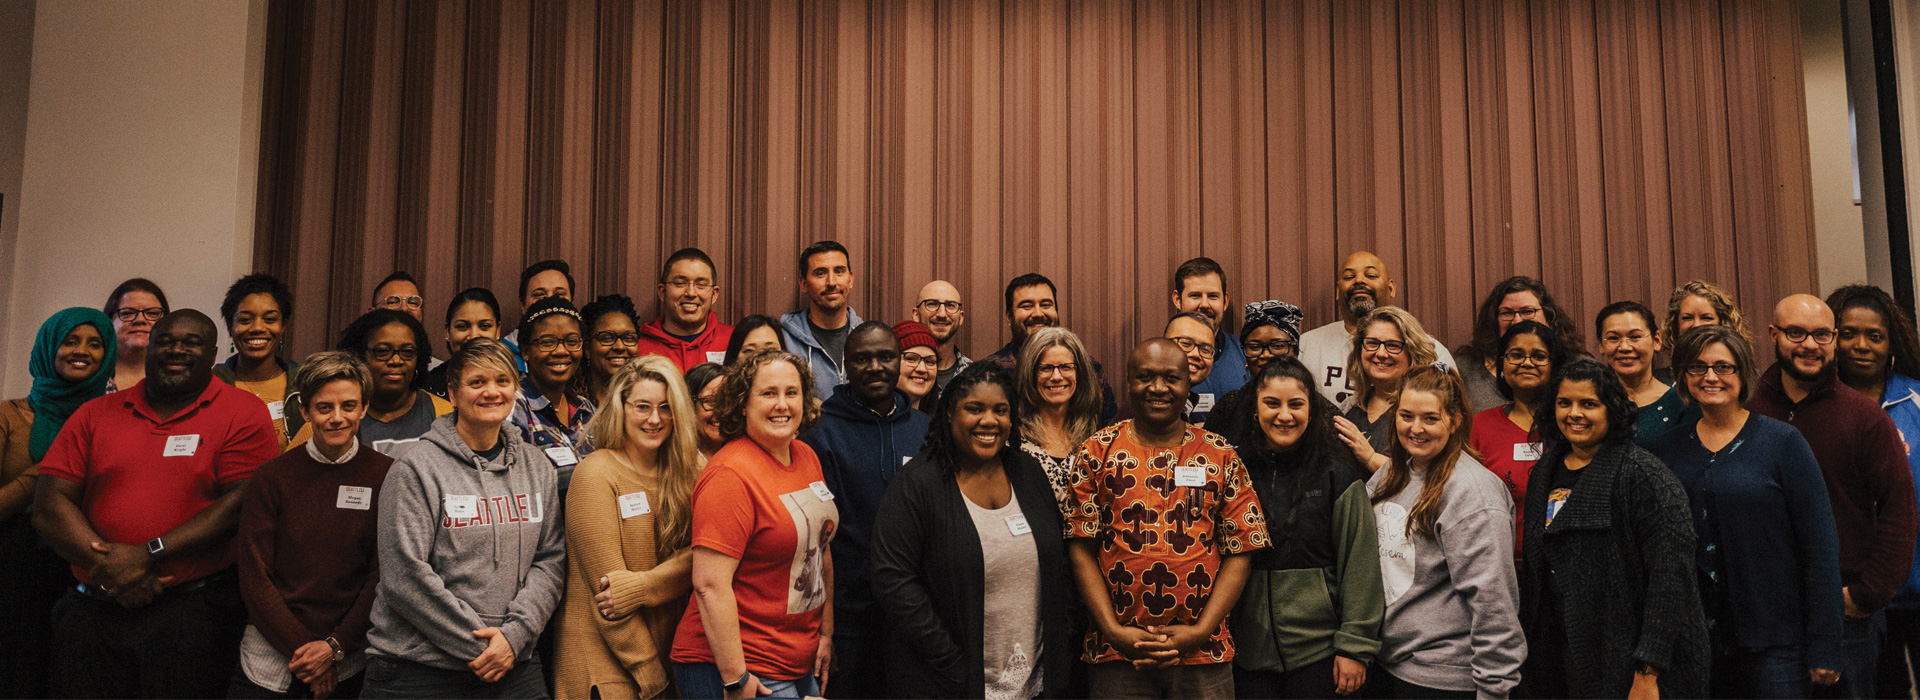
(335, 412)
(981, 421)
(1388, 362)
(1806, 359)
(1058, 376)
(180, 358)
(688, 295)
(1696, 311)
(1711, 389)
(939, 310)
(1260, 347)
(399, 295)
(607, 347)
(81, 354)
(549, 283)
(257, 326)
(828, 282)
(1865, 345)
(1580, 414)
(1034, 308)
(1196, 342)
(703, 408)
(1627, 344)
(472, 320)
(1362, 285)
(1517, 307)
(1525, 364)
(484, 397)
(393, 376)
(134, 334)
(873, 366)
(758, 339)
(553, 353)
(774, 404)
(1282, 412)
(649, 417)
(1157, 384)
(1205, 294)
(1423, 425)
(919, 371)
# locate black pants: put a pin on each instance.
(32, 579)
(859, 666)
(242, 688)
(1314, 680)
(399, 678)
(1902, 642)
(183, 645)
(1381, 684)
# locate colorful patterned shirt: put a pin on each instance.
(1161, 542)
(563, 443)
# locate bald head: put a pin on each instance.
(1362, 284)
(1803, 336)
(938, 308)
(1802, 309)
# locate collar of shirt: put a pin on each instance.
(313, 450)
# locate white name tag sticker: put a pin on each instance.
(463, 506)
(1528, 451)
(276, 409)
(181, 446)
(562, 456)
(1203, 404)
(354, 498)
(633, 504)
(1017, 524)
(820, 489)
(904, 459)
(1189, 476)
(717, 357)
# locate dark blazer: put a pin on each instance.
(929, 577)
(1621, 558)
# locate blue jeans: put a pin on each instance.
(1859, 658)
(701, 681)
(1767, 672)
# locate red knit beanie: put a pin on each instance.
(913, 335)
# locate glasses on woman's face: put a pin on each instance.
(547, 343)
(1064, 369)
(382, 353)
(706, 403)
(1521, 357)
(1531, 313)
(1391, 347)
(1723, 369)
(914, 359)
(606, 339)
(128, 315)
(1272, 347)
(1613, 340)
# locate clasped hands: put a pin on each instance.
(124, 573)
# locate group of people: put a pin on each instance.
(585, 505)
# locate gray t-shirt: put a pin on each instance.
(1324, 351)
(834, 342)
(1010, 644)
(387, 437)
(960, 362)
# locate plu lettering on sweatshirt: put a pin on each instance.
(502, 510)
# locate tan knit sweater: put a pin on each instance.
(17, 468)
(625, 657)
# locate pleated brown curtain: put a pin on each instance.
(1610, 147)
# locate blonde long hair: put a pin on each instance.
(1446, 385)
(1420, 352)
(679, 458)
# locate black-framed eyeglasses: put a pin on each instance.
(1723, 369)
(1521, 357)
(382, 353)
(1511, 314)
(606, 339)
(706, 403)
(1271, 347)
(151, 314)
(1189, 345)
(1065, 369)
(397, 301)
(932, 305)
(1796, 334)
(547, 343)
(1392, 347)
(914, 358)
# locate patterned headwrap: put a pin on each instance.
(1272, 313)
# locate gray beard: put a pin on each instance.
(1358, 308)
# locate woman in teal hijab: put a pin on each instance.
(71, 362)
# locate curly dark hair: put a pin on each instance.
(1622, 412)
(354, 337)
(1486, 343)
(1902, 340)
(1320, 442)
(257, 283)
(940, 447)
(731, 414)
(1556, 353)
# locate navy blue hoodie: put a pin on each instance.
(859, 454)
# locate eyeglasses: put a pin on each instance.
(682, 283)
(1521, 357)
(1391, 347)
(396, 301)
(706, 403)
(1635, 337)
(1724, 369)
(382, 353)
(646, 409)
(1189, 345)
(152, 314)
(1065, 369)
(547, 343)
(1797, 334)
(914, 358)
(606, 339)
(1272, 347)
(932, 305)
(1511, 314)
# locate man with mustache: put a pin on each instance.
(686, 331)
(819, 332)
(1032, 305)
(1161, 522)
(141, 494)
(1864, 463)
(1362, 285)
(940, 310)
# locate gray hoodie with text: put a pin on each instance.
(466, 543)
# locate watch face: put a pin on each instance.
(154, 546)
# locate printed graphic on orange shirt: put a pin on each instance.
(814, 520)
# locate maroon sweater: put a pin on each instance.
(1868, 481)
(308, 566)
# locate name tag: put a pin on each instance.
(1189, 476)
(633, 504)
(562, 456)
(276, 409)
(181, 446)
(1528, 451)
(1017, 524)
(354, 498)
(463, 506)
(820, 489)
(1203, 403)
(904, 459)
(717, 357)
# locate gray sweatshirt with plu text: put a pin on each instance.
(1453, 614)
(466, 543)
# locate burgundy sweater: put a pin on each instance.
(308, 566)
(1868, 481)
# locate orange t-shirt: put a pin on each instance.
(777, 520)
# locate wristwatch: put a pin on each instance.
(736, 685)
(339, 652)
(155, 547)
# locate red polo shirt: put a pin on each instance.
(145, 476)
(709, 346)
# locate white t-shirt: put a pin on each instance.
(1324, 351)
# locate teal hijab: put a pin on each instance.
(54, 399)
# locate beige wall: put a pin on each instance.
(16, 62)
(142, 143)
(1837, 218)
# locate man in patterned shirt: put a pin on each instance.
(1162, 519)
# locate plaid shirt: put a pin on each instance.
(540, 425)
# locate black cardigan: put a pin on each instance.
(1621, 555)
(929, 576)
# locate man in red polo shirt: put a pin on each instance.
(686, 331)
(141, 493)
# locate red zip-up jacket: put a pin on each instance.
(711, 346)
